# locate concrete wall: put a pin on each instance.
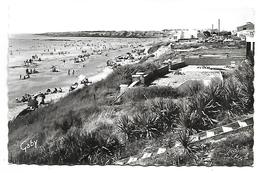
(178, 65)
(212, 61)
(149, 78)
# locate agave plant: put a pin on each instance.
(186, 141)
(126, 126)
(235, 97)
(167, 112)
(146, 125)
(186, 120)
(203, 109)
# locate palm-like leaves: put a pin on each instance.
(186, 141)
(146, 125)
(167, 112)
(126, 126)
(203, 110)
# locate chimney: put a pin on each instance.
(218, 25)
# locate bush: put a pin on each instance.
(125, 125)
(74, 148)
(237, 150)
(159, 119)
(167, 112)
(67, 121)
(186, 141)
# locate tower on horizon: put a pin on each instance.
(218, 25)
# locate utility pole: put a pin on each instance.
(218, 26)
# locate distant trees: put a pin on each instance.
(207, 33)
(225, 33)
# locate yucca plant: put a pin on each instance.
(203, 110)
(146, 125)
(126, 126)
(186, 119)
(234, 96)
(186, 141)
(245, 75)
(167, 112)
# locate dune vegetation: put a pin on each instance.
(87, 127)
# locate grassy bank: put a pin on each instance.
(86, 128)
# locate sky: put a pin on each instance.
(37, 16)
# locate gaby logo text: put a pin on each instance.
(28, 144)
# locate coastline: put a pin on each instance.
(14, 112)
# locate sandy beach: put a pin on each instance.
(59, 52)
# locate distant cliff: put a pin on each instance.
(113, 34)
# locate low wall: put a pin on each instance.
(178, 65)
(149, 78)
(212, 61)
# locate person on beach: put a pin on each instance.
(73, 72)
(48, 91)
(55, 90)
(20, 76)
(69, 72)
(42, 102)
(60, 90)
(33, 103)
(27, 71)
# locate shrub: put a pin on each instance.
(167, 112)
(186, 119)
(203, 110)
(160, 118)
(245, 75)
(237, 150)
(125, 125)
(189, 154)
(74, 148)
(234, 96)
(146, 126)
(67, 121)
(186, 141)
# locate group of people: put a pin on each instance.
(73, 72)
(73, 87)
(31, 71)
(28, 72)
(34, 102)
(26, 97)
(54, 69)
(28, 62)
(56, 90)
